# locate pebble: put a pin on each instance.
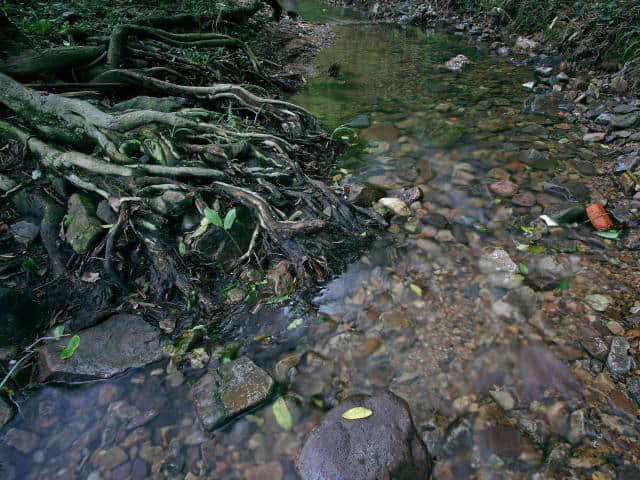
(504, 399)
(618, 360)
(526, 199)
(21, 440)
(594, 137)
(599, 302)
(615, 328)
(268, 471)
(497, 261)
(396, 205)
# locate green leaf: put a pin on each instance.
(182, 248)
(522, 247)
(537, 249)
(229, 218)
(213, 217)
(276, 299)
(295, 323)
(357, 413)
(416, 289)
(612, 234)
(58, 331)
(71, 348)
(29, 264)
(67, 220)
(524, 270)
(563, 284)
(282, 414)
(526, 229)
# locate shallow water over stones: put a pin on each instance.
(487, 321)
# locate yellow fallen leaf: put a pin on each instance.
(356, 413)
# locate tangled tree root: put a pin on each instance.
(186, 150)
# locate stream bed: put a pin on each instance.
(495, 327)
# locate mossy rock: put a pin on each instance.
(85, 228)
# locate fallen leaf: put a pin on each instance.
(71, 348)
(282, 414)
(357, 413)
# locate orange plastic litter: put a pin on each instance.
(599, 218)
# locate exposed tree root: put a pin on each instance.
(188, 150)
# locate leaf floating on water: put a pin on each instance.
(522, 247)
(295, 323)
(282, 414)
(524, 270)
(416, 289)
(357, 413)
(71, 348)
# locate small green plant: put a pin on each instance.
(212, 217)
(231, 120)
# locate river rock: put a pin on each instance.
(618, 121)
(526, 199)
(396, 205)
(626, 162)
(234, 387)
(115, 345)
(599, 302)
(504, 188)
(619, 361)
(21, 440)
(633, 387)
(85, 228)
(497, 261)
(6, 412)
(594, 137)
(384, 445)
(547, 270)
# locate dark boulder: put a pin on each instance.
(384, 445)
(115, 345)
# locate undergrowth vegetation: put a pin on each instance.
(597, 30)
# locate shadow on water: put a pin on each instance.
(422, 313)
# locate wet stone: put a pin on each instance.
(504, 188)
(268, 471)
(594, 137)
(383, 445)
(497, 261)
(618, 360)
(21, 440)
(599, 302)
(109, 459)
(577, 426)
(626, 162)
(234, 387)
(526, 199)
(596, 347)
(633, 387)
(116, 352)
(6, 412)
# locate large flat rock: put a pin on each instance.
(382, 446)
(115, 345)
(234, 387)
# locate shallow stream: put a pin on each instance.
(466, 335)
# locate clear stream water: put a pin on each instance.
(489, 391)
